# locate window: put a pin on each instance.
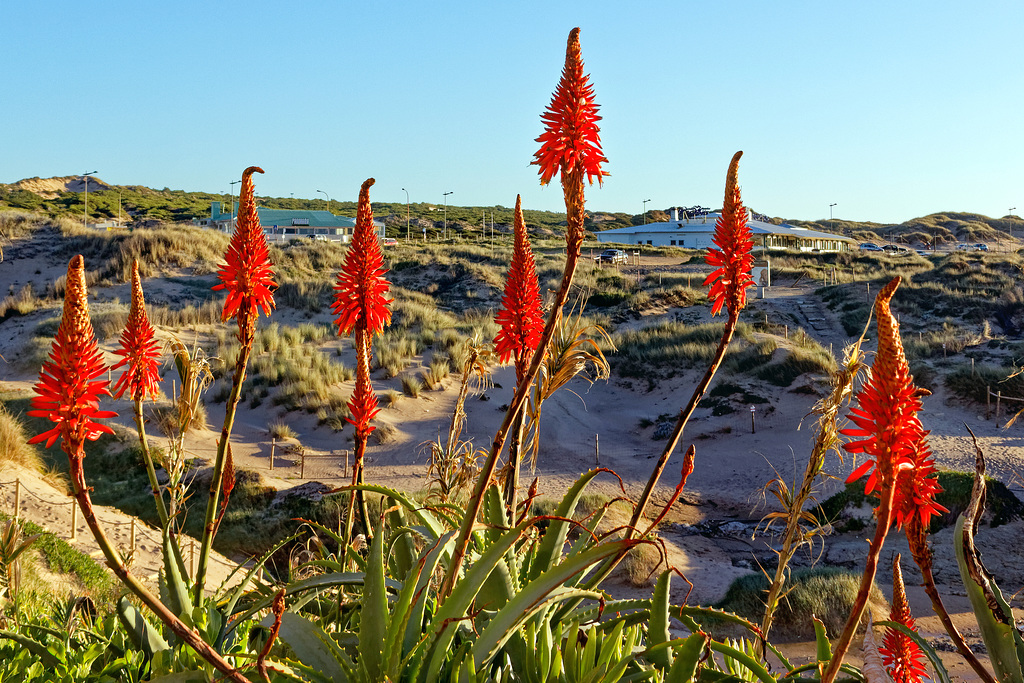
(649, 242)
(673, 243)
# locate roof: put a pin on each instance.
(289, 217)
(707, 224)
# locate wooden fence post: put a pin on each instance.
(273, 446)
(132, 536)
(344, 469)
(999, 400)
(597, 450)
(302, 467)
(74, 519)
(17, 497)
(988, 403)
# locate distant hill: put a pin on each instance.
(64, 195)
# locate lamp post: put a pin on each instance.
(408, 237)
(446, 213)
(831, 225)
(645, 210)
(231, 205)
(328, 199)
(85, 216)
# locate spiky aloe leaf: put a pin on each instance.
(658, 631)
(373, 615)
(550, 549)
(142, 634)
(173, 579)
(995, 618)
(687, 657)
(314, 647)
(36, 648)
(547, 588)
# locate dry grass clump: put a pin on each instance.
(165, 417)
(412, 386)
(14, 446)
(663, 349)
(207, 313)
(384, 433)
(641, 564)
(437, 373)
(23, 302)
(392, 397)
(281, 430)
(311, 296)
(15, 223)
(393, 350)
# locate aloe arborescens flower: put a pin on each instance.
(732, 259)
(521, 317)
(248, 275)
(68, 391)
(361, 305)
(139, 349)
(900, 470)
(902, 657)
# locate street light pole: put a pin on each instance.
(408, 237)
(831, 225)
(645, 210)
(446, 213)
(328, 199)
(231, 205)
(85, 216)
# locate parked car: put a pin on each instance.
(895, 249)
(318, 238)
(613, 256)
(963, 247)
(979, 247)
(390, 241)
(870, 246)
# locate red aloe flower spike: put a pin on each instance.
(887, 428)
(521, 316)
(901, 655)
(571, 142)
(361, 288)
(68, 392)
(733, 260)
(248, 275)
(139, 349)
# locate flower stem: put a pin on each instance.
(573, 190)
(923, 557)
(884, 514)
(147, 457)
(209, 521)
(684, 417)
(187, 635)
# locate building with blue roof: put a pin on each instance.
(698, 232)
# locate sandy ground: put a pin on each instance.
(582, 427)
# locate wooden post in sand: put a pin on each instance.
(597, 450)
(131, 536)
(869, 291)
(988, 403)
(344, 467)
(17, 498)
(273, 445)
(74, 520)
(302, 467)
(753, 430)
(999, 399)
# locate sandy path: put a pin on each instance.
(51, 508)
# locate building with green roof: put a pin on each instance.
(284, 224)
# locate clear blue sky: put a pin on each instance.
(891, 110)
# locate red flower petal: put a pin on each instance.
(362, 307)
(248, 274)
(888, 429)
(139, 349)
(67, 391)
(521, 316)
(733, 260)
(571, 140)
(903, 658)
